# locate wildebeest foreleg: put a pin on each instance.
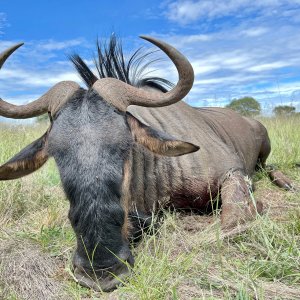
(279, 179)
(238, 205)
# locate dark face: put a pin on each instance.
(90, 142)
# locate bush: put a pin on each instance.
(284, 110)
(246, 106)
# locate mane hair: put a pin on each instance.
(110, 62)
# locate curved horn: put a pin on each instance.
(121, 94)
(4, 55)
(50, 101)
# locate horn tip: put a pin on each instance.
(19, 45)
(15, 47)
(4, 55)
(145, 37)
(153, 40)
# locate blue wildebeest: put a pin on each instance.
(120, 153)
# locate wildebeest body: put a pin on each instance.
(228, 142)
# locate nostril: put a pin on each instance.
(77, 261)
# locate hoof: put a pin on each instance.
(282, 181)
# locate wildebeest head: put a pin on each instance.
(90, 137)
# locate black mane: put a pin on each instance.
(110, 62)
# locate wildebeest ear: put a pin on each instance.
(26, 161)
(157, 141)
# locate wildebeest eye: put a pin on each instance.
(118, 111)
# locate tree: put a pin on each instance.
(246, 106)
(284, 110)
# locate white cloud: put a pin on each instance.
(22, 99)
(56, 45)
(254, 32)
(186, 11)
(269, 66)
(30, 80)
(196, 38)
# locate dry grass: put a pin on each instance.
(29, 273)
(190, 257)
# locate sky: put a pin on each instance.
(237, 47)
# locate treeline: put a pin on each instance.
(249, 107)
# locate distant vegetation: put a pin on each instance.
(284, 110)
(246, 106)
(42, 118)
(249, 107)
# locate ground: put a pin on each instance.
(189, 258)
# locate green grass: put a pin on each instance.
(285, 140)
(54, 239)
(190, 257)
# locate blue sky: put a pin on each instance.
(237, 47)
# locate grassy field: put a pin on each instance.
(190, 258)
